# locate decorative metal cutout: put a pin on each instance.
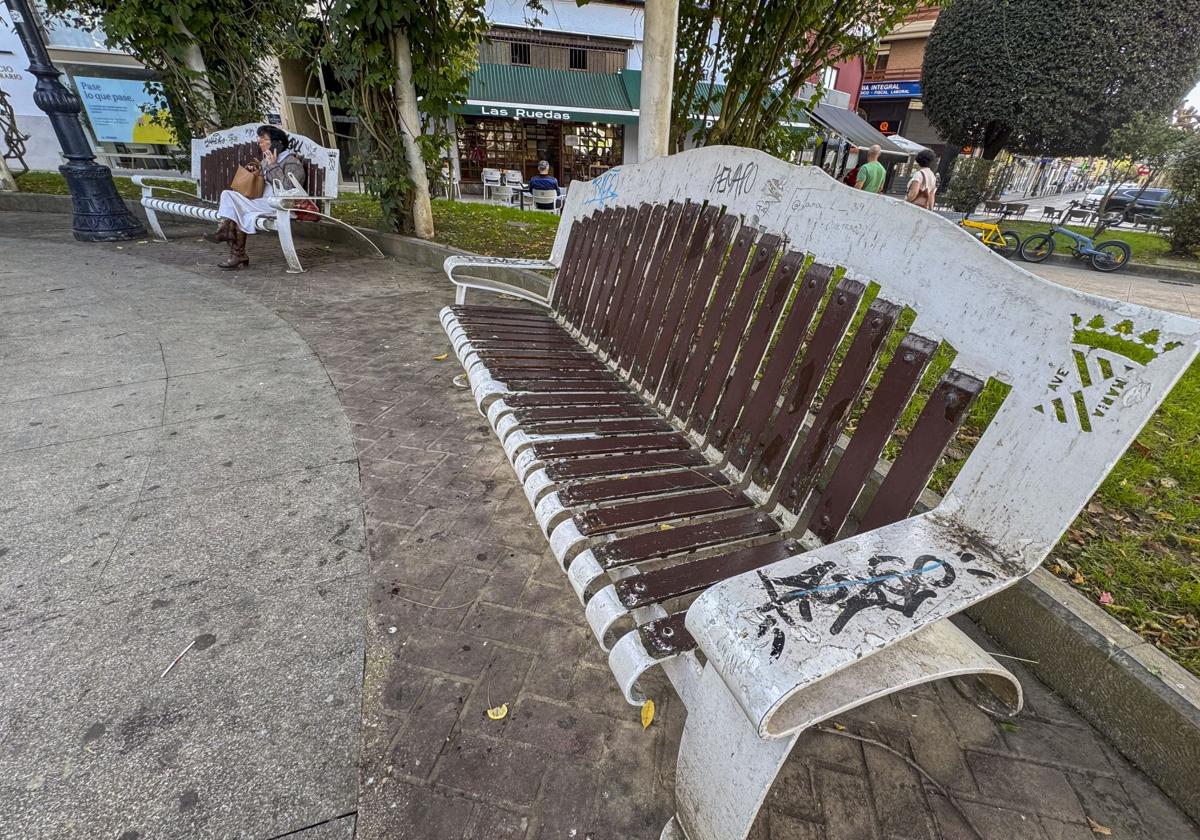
(1106, 366)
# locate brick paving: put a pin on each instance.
(468, 609)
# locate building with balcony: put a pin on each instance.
(890, 97)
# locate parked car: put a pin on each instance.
(1092, 200)
(1130, 204)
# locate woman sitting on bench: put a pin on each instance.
(238, 213)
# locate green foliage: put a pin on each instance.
(231, 37)
(1184, 215)
(971, 184)
(357, 43)
(766, 50)
(1018, 74)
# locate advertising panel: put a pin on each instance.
(120, 111)
(15, 79)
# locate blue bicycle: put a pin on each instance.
(1110, 255)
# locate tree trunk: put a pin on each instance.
(658, 71)
(410, 127)
(995, 137)
(193, 59)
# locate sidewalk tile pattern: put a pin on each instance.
(468, 610)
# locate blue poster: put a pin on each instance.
(120, 111)
(890, 90)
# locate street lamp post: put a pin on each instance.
(100, 214)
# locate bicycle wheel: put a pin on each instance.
(1112, 257)
(1012, 243)
(1037, 247)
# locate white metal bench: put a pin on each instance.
(697, 414)
(216, 158)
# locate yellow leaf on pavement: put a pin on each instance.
(1099, 829)
(647, 713)
(663, 526)
(441, 358)
(498, 712)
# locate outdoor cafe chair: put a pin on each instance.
(491, 180)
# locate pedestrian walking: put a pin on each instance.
(852, 167)
(922, 187)
(238, 213)
(871, 174)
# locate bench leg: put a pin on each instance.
(152, 219)
(725, 770)
(283, 226)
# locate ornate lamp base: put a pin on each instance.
(100, 214)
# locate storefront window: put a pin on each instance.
(575, 151)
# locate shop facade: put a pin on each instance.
(582, 124)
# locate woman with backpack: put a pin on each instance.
(922, 187)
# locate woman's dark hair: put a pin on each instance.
(278, 137)
(924, 157)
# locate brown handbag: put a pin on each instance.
(249, 184)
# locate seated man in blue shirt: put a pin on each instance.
(544, 181)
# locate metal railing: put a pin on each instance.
(893, 74)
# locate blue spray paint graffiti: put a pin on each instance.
(604, 187)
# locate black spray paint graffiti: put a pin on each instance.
(772, 194)
(734, 180)
(889, 586)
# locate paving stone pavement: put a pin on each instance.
(466, 609)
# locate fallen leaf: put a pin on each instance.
(498, 712)
(663, 526)
(1164, 516)
(1142, 448)
(1106, 598)
(441, 358)
(1078, 579)
(647, 714)
(839, 727)
(1098, 829)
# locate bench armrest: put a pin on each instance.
(148, 189)
(496, 286)
(775, 631)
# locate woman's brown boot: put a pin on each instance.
(224, 232)
(237, 253)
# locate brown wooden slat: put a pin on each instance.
(623, 286)
(608, 249)
(667, 636)
(706, 278)
(711, 328)
(655, 544)
(775, 442)
(664, 283)
(656, 230)
(629, 340)
(943, 414)
(606, 281)
(731, 338)
(570, 265)
(608, 445)
(563, 386)
(685, 288)
(804, 465)
(895, 389)
(550, 414)
(544, 362)
(557, 400)
(660, 585)
(553, 375)
(754, 419)
(758, 333)
(604, 231)
(628, 486)
(600, 426)
(647, 511)
(583, 234)
(579, 468)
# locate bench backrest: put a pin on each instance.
(690, 272)
(216, 158)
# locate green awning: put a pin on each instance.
(517, 92)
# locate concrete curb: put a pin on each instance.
(1146, 704)
(1157, 272)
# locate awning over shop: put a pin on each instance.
(516, 92)
(854, 128)
(907, 145)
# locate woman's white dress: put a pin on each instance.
(244, 210)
